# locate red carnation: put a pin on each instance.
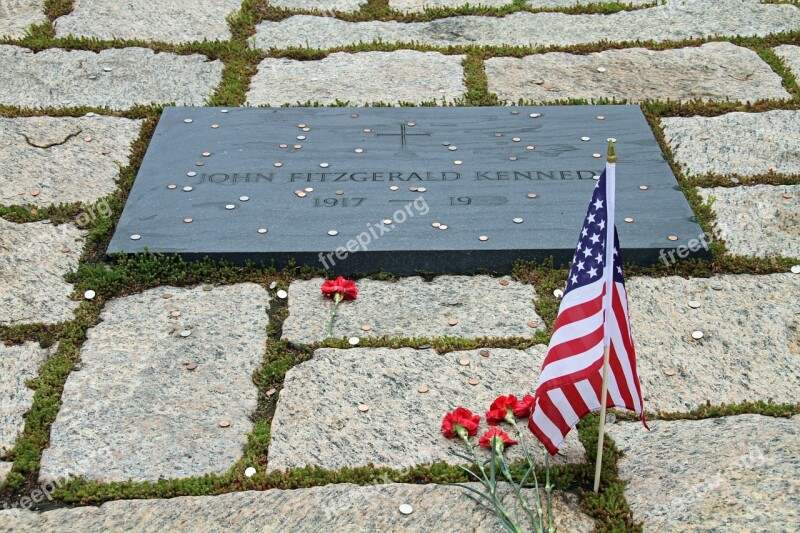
(460, 418)
(500, 408)
(495, 433)
(345, 288)
(524, 406)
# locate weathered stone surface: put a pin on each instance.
(45, 160)
(714, 71)
(757, 220)
(416, 6)
(32, 269)
(739, 473)
(338, 507)
(320, 5)
(411, 307)
(751, 347)
(5, 470)
(677, 20)
(736, 143)
(135, 411)
(16, 16)
(317, 421)
(59, 78)
(17, 365)
(172, 22)
(570, 3)
(359, 79)
(791, 56)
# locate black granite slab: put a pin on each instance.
(408, 148)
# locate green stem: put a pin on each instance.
(336, 301)
(533, 469)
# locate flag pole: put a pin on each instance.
(611, 161)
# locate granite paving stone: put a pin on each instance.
(675, 21)
(359, 79)
(147, 401)
(115, 78)
(739, 473)
(47, 160)
(751, 345)
(418, 6)
(570, 3)
(337, 507)
(172, 22)
(18, 364)
(34, 258)
(402, 427)
(737, 143)
(757, 220)
(5, 470)
(412, 307)
(791, 56)
(344, 6)
(16, 16)
(717, 71)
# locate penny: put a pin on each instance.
(166, 296)
(301, 194)
(516, 139)
(271, 392)
(339, 193)
(453, 321)
(366, 327)
(188, 220)
(175, 314)
(672, 237)
(363, 408)
(600, 117)
(464, 362)
(214, 126)
(484, 353)
(530, 148)
(278, 164)
(191, 366)
(532, 324)
(88, 138)
(532, 195)
(643, 187)
(483, 238)
(297, 146)
(423, 389)
(207, 288)
(473, 382)
(597, 156)
(65, 250)
(504, 282)
(34, 193)
(628, 220)
(670, 371)
(443, 226)
(224, 423)
(787, 195)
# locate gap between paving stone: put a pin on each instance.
(47, 160)
(791, 56)
(745, 144)
(134, 410)
(359, 79)
(717, 71)
(176, 21)
(318, 422)
(16, 16)
(115, 78)
(412, 307)
(34, 258)
(678, 20)
(757, 220)
(336, 508)
(737, 473)
(344, 6)
(750, 350)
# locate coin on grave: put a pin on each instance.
(504, 282)
(473, 382)
(175, 314)
(532, 324)
(423, 389)
(271, 392)
(464, 362)
(224, 423)
(366, 327)
(453, 321)
(363, 408)
(484, 353)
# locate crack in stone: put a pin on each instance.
(46, 146)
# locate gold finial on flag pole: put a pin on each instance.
(612, 153)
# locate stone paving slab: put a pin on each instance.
(339, 508)
(345, 6)
(359, 79)
(791, 56)
(46, 160)
(412, 307)
(751, 347)
(418, 6)
(317, 421)
(116, 78)
(678, 20)
(736, 143)
(34, 258)
(739, 473)
(5, 470)
(175, 21)
(759, 220)
(715, 71)
(135, 410)
(16, 16)
(18, 364)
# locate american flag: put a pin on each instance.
(572, 373)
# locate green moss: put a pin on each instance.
(778, 410)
